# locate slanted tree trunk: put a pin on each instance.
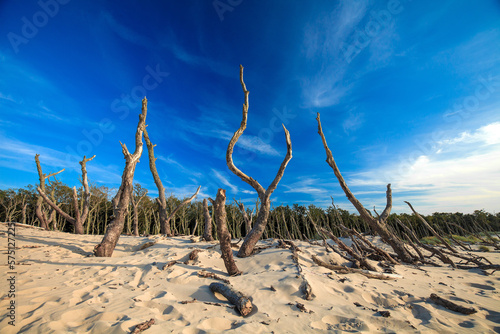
(378, 225)
(224, 236)
(264, 195)
(41, 214)
(207, 234)
(161, 200)
(80, 215)
(122, 198)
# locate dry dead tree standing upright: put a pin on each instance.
(246, 218)
(122, 198)
(223, 233)
(161, 200)
(264, 195)
(378, 225)
(135, 209)
(80, 214)
(40, 213)
(207, 234)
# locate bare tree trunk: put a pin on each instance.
(161, 200)
(378, 225)
(248, 220)
(79, 219)
(264, 195)
(122, 199)
(40, 213)
(224, 236)
(135, 205)
(207, 234)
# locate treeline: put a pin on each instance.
(294, 222)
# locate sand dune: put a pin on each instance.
(61, 288)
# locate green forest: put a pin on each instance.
(292, 222)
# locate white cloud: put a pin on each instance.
(464, 179)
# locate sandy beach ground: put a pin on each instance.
(60, 288)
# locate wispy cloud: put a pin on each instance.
(224, 180)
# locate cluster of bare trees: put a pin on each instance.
(133, 210)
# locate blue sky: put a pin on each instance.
(408, 93)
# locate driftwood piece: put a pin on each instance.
(357, 257)
(148, 244)
(206, 274)
(346, 270)
(380, 251)
(243, 303)
(170, 264)
(193, 256)
(451, 305)
(301, 307)
(143, 326)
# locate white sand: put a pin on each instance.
(59, 289)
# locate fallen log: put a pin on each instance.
(346, 270)
(243, 303)
(451, 305)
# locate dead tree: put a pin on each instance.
(224, 236)
(161, 200)
(40, 213)
(378, 225)
(207, 234)
(264, 195)
(246, 218)
(135, 209)
(80, 215)
(122, 198)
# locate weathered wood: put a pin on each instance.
(346, 270)
(243, 303)
(122, 199)
(40, 213)
(206, 274)
(379, 225)
(143, 326)
(253, 237)
(380, 251)
(451, 305)
(223, 233)
(355, 256)
(207, 233)
(429, 227)
(246, 218)
(80, 214)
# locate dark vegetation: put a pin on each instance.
(291, 222)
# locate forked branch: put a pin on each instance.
(264, 195)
